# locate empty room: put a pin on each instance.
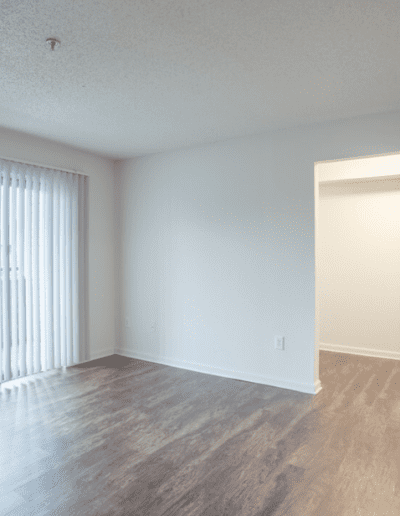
(200, 232)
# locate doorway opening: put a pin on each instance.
(357, 241)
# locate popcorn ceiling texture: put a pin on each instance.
(134, 78)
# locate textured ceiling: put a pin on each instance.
(136, 77)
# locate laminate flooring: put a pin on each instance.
(120, 436)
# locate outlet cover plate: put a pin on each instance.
(279, 342)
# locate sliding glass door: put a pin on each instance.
(42, 262)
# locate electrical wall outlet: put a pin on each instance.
(153, 326)
(126, 322)
(279, 343)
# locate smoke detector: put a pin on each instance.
(53, 42)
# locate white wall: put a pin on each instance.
(101, 249)
(358, 256)
(217, 248)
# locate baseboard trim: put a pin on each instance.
(224, 373)
(374, 353)
(99, 354)
(317, 386)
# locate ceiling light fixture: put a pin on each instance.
(53, 42)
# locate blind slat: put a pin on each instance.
(5, 260)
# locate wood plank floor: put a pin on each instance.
(120, 436)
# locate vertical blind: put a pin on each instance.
(42, 276)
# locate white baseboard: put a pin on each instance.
(224, 373)
(317, 386)
(352, 350)
(102, 353)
